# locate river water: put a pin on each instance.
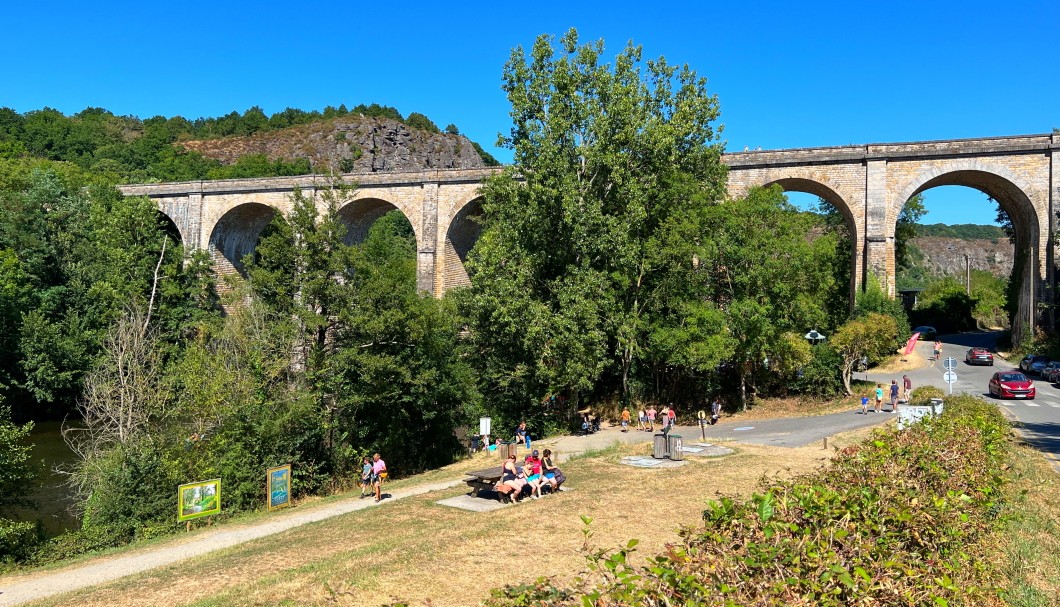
(52, 496)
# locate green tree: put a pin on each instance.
(905, 230)
(863, 338)
(608, 158)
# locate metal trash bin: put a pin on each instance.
(659, 447)
(676, 448)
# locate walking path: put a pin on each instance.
(16, 590)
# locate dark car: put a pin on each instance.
(1011, 384)
(1051, 372)
(979, 356)
(926, 332)
(1034, 363)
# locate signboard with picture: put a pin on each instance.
(197, 499)
(279, 487)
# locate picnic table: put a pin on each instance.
(486, 480)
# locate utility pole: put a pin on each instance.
(967, 275)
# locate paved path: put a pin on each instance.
(1038, 420)
(21, 589)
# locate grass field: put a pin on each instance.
(417, 551)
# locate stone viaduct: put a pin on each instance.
(869, 184)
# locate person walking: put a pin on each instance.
(625, 419)
(715, 411)
(894, 396)
(651, 418)
(366, 477)
(938, 350)
(642, 420)
(907, 387)
(879, 398)
(379, 475)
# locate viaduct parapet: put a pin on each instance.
(869, 184)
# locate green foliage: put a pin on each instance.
(905, 230)
(893, 520)
(964, 231)
(947, 302)
(922, 395)
(417, 120)
(872, 300)
(866, 339)
(129, 149)
(618, 163)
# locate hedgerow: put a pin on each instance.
(894, 520)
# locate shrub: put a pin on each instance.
(893, 521)
(924, 394)
(18, 539)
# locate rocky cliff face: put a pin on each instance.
(351, 144)
(945, 256)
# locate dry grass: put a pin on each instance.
(796, 406)
(418, 551)
(900, 363)
(1027, 552)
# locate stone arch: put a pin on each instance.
(462, 234)
(171, 228)
(358, 216)
(236, 233)
(1013, 196)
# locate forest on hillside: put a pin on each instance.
(128, 149)
(609, 272)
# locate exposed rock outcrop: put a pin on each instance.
(945, 256)
(352, 144)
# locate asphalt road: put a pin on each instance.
(1038, 419)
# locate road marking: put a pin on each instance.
(1032, 404)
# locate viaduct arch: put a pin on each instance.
(869, 184)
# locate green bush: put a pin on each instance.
(893, 521)
(924, 394)
(18, 539)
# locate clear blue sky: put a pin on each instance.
(787, 74)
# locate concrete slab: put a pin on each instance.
(650, 462)
(707, 450)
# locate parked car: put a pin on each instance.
(926, 332)
(1051, 372)
(1034, 363)
(979, 356)
(1011, 384)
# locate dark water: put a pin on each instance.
(51, 495)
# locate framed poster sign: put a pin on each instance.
(278, 487)
(202, 498)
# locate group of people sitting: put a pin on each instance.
(536, 474)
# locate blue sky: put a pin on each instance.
(787, 74)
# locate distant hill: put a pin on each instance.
(351, 144)
(964, 231)
(129, 149)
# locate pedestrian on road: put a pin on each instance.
(651, 418)
(715, 411)
(879, 398)
(642, 419)
(938, 350)
(665, 419)
(625, 419)
(378, 475)
(894, 396)
(672, 414)
(907, 387)
(366, 477)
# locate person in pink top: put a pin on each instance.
(651, 418)
(378, 474)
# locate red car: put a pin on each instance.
(1011, 384)
(979, 356)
